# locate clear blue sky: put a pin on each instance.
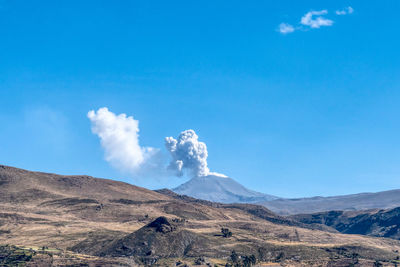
(312, 112)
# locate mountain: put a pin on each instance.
(220, 189)
(227, 190)
(379, 223)
(56, 220)
(362, 201)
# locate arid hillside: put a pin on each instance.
(60, 220)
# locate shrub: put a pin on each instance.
(234, 256)
(225, 232)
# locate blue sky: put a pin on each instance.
(311, 112)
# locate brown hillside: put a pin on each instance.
(119, 222)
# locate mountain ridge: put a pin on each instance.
(362, 201)
(379, 223)
(227, 190)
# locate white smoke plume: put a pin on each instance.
(119, 137)
(188, 154)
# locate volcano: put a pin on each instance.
(222, 189)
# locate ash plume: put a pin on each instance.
(188, 154)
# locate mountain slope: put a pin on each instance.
(127, 225)
(255, 210)
(220, 189)
(380, 223)
(363, 201)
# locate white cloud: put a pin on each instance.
(285, 28)
(314, 19)
(188, 154)
(119, 137)
(345, 11)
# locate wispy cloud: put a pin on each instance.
(315, 20)
(48, 128)
(344, 11)
(286, 28)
